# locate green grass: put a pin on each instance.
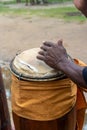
(60, 13)
(64, 13)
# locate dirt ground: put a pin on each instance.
(18, 34)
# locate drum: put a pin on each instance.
(41, 96)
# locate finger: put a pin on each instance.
(44, 47)
(49, 44)
(42, 53)
(40, 57)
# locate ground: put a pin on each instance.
(18, 34)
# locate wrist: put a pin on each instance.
(63, 63)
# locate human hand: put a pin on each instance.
(81, 5)
(52, 54)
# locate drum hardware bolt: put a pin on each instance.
(20, 75)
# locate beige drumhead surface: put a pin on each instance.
(27, 65)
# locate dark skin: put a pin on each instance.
(55, 55)
(81, 5)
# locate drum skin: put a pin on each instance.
(27, 67)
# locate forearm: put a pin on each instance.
(73, 71)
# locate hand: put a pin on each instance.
(81, 5)
(52, 54)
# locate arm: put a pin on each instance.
(55, 56)
(73, 71)
(81, 5)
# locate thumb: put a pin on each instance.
(59, 42)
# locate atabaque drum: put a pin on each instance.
(40, 94)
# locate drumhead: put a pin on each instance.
(27, 67)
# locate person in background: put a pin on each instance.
(55, 55)
(38, 2)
